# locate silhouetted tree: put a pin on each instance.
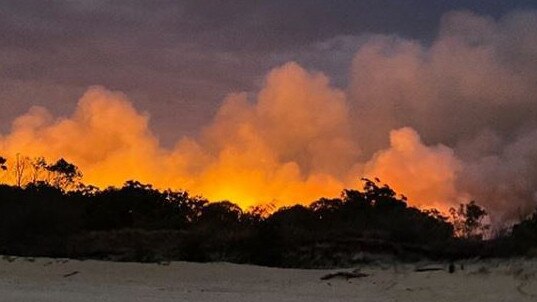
(39, 168)
(221, 214)
(293, 224)
(87, 190)
(20, 169)
(64, 174)
(468, 220)
(138, 205)
(524, 234)
(46, 217)
(257, 214)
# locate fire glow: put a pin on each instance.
(268, 151)
(300, 138)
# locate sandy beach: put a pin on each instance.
(43, 279)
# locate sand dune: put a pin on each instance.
(43, 279)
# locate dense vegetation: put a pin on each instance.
(56, 216)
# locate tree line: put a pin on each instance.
(25, 170)
(51, 213)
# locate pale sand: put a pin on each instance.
(45, 279)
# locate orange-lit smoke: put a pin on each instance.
(441, 124)
(427, 175)
(292, 145)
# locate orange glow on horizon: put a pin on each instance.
(292, 145)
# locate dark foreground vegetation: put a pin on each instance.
(139, 223)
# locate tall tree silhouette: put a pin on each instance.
(468, 220)
(65, 175)
(20, 169)
(38, 169)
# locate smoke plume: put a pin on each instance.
(442, 123)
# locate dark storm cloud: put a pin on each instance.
(178, 59)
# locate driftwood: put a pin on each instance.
(451, 268)
(344, 275)
(71, 274)
(428, 269)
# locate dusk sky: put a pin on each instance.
(178, 59)
(437, 98)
